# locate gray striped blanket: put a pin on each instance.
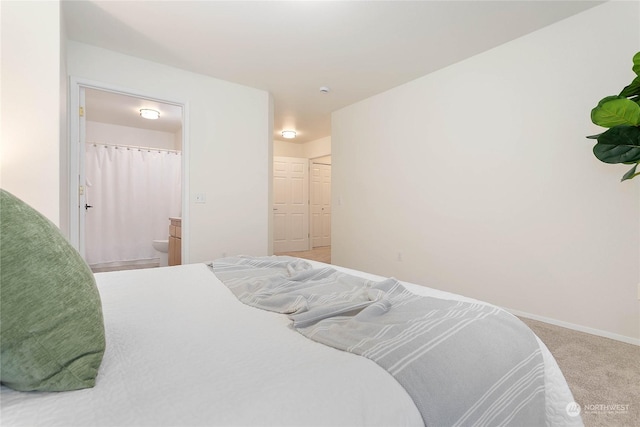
(463, 364)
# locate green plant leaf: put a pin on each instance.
(616, 111)
(594, 136)
(620, 144)
(636, 63)
(609, 98)
(633, 89)
(630, 173)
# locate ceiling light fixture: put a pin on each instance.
(288, 134)
(149, 114)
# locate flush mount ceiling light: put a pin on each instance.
(288, 134)
(149, 114)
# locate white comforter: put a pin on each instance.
(183, 351)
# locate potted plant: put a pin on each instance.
(621, 115)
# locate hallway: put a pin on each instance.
(322, 254)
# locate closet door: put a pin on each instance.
(290, 204)
(320, 205)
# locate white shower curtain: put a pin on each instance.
(133, 193)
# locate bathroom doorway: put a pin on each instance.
(132, 179)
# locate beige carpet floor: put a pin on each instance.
(603, 374)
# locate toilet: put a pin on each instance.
(162, 247)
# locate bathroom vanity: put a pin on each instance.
(175, 241)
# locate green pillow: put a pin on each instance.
(51, 325)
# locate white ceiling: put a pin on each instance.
(292, 48)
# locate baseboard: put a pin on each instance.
(579, 328)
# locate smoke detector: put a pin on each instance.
(324, 89)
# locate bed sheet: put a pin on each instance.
(183, 351)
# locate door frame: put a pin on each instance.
(75, 159)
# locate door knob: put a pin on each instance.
(86, 207)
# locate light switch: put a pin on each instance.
(201, 198)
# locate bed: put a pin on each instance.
(247, 341)
(182, 350)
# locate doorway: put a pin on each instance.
(130, 177)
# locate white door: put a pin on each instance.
(290, 204)
(320, 205)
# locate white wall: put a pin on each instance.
(31, 103)
(318, 148)
(480, 177)
(229, 151)
(177, 140)
(288, 149)
(107, 133)
(63, 118)
(307, 150)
